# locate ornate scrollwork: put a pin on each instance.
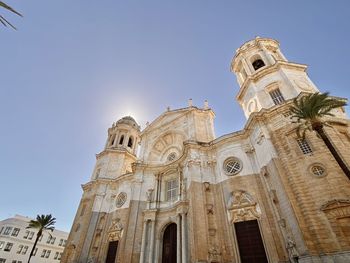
(115, 231)
(241, 207)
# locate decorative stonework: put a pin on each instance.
(241, 207)
(337, 208)
(115, 231)
(121, 199)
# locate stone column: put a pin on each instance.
(178, 239)
(183, 238)
(153, 222)
(143, 244)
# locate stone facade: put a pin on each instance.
(259, 184)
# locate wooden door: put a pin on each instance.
(169, 244)
(112, 252)
(250, 244)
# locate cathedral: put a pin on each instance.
(174, 193)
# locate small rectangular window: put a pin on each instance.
(7, 230)
(172, 190)
(20, 248)
(31, 234)
(56, 255)
(2, 260)
(26, 234)
(53, 240)
(35, 250)
(61, 242)
(25, 249)
(276, 96)
(2, 228)
(59, 257)
(304, 146)
(8, 247)
(15, 232)
(41, 237)
(43, 253)
(47, 254)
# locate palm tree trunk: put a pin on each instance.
(337, 157)
(34, 246)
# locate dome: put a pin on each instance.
(129, 121)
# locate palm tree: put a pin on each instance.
(309, 111)
(42, 223)
(3, 20)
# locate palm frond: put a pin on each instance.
(2, 4)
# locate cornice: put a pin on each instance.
(121, 150)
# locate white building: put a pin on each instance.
(16, 242)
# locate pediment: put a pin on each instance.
(163, 122)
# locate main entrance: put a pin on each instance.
(169, 244)
(250, 244)
(112, 251)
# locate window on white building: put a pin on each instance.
(304, 146)
(276, 96)
(47, 254)
(41, 237)
(2, 244)
(26, 234)
(172, 187)
(2, 260)
(25, 249)
(56, 255)
(7, 230)
(53, 239)
(2, 228)
(43, 253)
(31, 234)
(20, 248)
(8, 247)
(15, 232)
(61, 242)
(64, 242)
(35, 250)
(59, 256)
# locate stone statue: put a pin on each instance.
(292, 251)
(149, 195)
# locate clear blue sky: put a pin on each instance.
(74, 67)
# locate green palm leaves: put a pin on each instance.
(42, 223)
(309, 111)
(3, 20)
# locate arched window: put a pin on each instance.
(258, 63)
(112, 140)
(121, 140)
(130, 142)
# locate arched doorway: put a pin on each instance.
(169, 244)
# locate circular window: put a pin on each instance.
(121, 198)
(318, 170)
(232, 166)
(171, 157)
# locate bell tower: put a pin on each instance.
(120, 149)
(265, 77)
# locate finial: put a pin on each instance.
(206, 105)
(190, 103)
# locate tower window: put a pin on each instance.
(276, 96)
(130, 142)
(121, 140)
(259, 63)
(304, 146)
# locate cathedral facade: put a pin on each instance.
(174, 193)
